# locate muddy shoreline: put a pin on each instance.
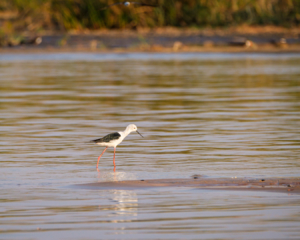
(239, 39)
(285, 185)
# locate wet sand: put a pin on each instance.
(288, 185)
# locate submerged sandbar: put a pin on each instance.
(289, 185)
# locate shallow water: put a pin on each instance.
(232, 115)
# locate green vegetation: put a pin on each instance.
(35, 15)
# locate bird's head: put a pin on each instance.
(133, 128)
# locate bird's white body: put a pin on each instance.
(114, 143)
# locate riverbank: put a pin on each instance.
(234, 39)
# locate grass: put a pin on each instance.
(63, 15)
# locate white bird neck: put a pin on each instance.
(127, 131)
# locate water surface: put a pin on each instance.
(220, 115)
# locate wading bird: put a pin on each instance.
(113, 140)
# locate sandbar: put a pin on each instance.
(285, 185)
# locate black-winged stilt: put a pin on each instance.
(113, 140)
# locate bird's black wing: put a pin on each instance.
(107, 138)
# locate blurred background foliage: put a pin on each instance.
(63, 15)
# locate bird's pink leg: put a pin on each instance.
(100, 156)
(114, 159)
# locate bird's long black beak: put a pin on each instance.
(139, 133)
